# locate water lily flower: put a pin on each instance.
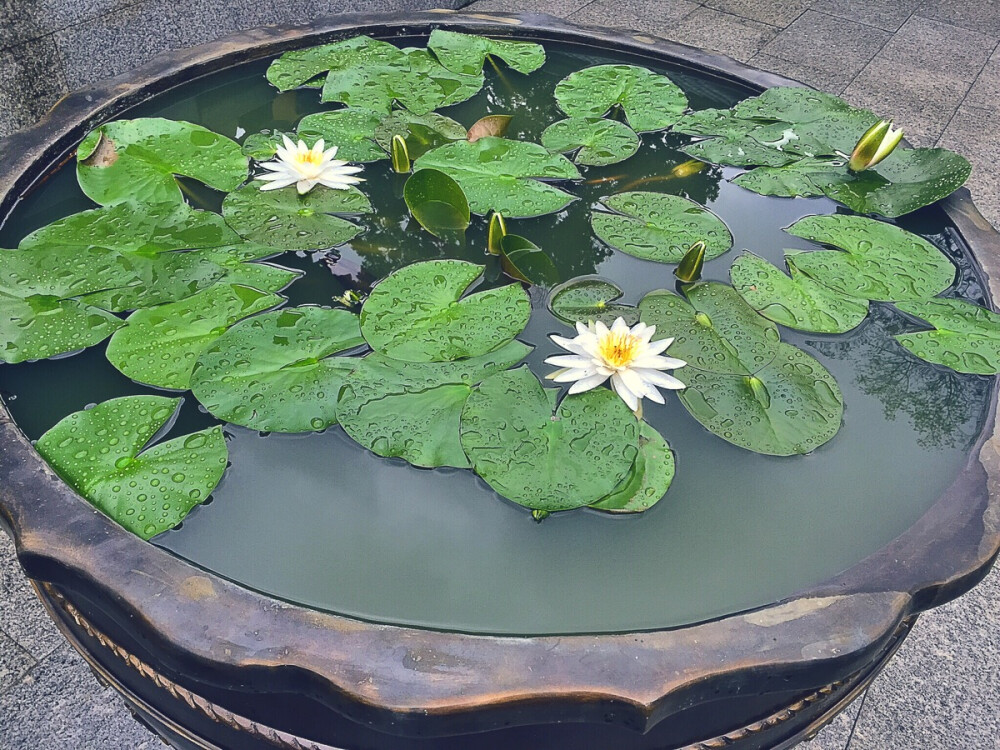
(877, 143)
(627, 356)
(307, 167)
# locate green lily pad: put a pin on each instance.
(422, 133)
(879, 261)
(648, 481)
(966, 337)
(596, 142)
(351, 130)
(137, 160)
(413, 410)
(437, 203)
(543, 457)
(650, 101)
(263, 277)
(713, 329)
(504, 176)
(159, 346)
(790, 406)
(589, 298)
(797, 302)
(523, 260)
(164, 277)
(466, 53)
(264, 145)
(283, 218)
(418, 313)
(660, 227)
(275, 372)
(102, 453)
(43, 326)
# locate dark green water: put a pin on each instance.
(317, 520)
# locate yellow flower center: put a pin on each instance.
(312, 157)
(619, 349)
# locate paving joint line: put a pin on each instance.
(966, 96)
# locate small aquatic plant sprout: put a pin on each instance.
(627, 356)
(877, 143)
(305, 167)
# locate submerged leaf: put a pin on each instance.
(965, 338)
(596, 142)
(590, 298)
(421, 132)
(649, 479)
(466, 53)
(437, 203)
(102, 453)
(495, 125)
(523, 260)
(650, 101)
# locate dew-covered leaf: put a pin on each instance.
(597, 142)
(714, 329)
(650, 101)
(418, 313)
(422, 133)
(797, 302)
(543, 457)
(102, 453)
(648, 480)
(660, 227)
(504, 176)
(437, 203)
(877, 261)
(351, 130)
(275, 372)
(43, 326)
(466, 53)
(160, 345)
(283, 218)
(805, 178)
(590, 298)
(136, 160)
(412, 410)
(164, 277)
(790, 406)
(965, 338)
(263, 146)
(523, 260)
(264, 277)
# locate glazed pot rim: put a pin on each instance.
(396, 675)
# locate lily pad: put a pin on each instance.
(102, 453)
(351, 130)
(650, 101)
(137, 160)
(596, 142)
(160, 346)
(495, 125)
(504, 176)
(546, 457)
(660, 227)
(275, 372)
(418, 313)
(283, 218)
(590, 298)
(790, 406)
(466, 53)
(879, 261)
(437, 203)
(422, 133)
(713, 329)
(648, 481)
(797, 302)
(523, 260)
(264, 145)
(164, 277)
(413, 410)
(264, 277)
(966, 337)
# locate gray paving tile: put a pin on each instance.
(31, 81)
(561, 8)
(925, 44)
(882, 14)
(831, 81)
(740, 38)
(807, 41)
(14, 663)
(985, 91)
(980, 15)
(52, 15)
(17, 24)
(21, 614)
(836, 734)
(774, 12)
(651, 16)
(972, 132)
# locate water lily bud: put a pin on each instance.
(689, 269)
(496, 233)
(400, 155)
(540, 515)
(688, 168)
(876, 144)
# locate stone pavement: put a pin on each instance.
(933, 65)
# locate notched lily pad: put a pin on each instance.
(597, 142)
(545, 457)
(466, 53)
(649, 479)
(590, 298)
(351, 130)
(965, 338)
(102, 453)
(650, 101)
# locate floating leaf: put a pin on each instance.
(263, 146)
(351, 130)
(283, 218)
(879, 261)
(791, 405)
(649, 479)
(714, 329)
(136, 160)
(501, 175)
(418, 313)
(421, 132)
(965, 338)
(42, 326)
(523, 260)
(437, 203)
(650, 101)
(797, 302)
(495, 125)
(597, 142)
(660, 227)
(263, 277)
(275, 372)
(102, 453)
(413, 410)
(164, 277)
(590, 298)
(543, 457)
(160, 346)
(466, 53)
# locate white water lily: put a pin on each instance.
(305, 167)
(627, 356)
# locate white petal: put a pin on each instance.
(573, 373)
(656, 362)
(330, 152)
(622, 390)
(600, 329)
(585, 384)
(569, 360)
(278, 184)
(570, 345)
(319, 146)
(619, 326)
(660, 379)
(632, 380)
(304, 186)
(582, 329)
